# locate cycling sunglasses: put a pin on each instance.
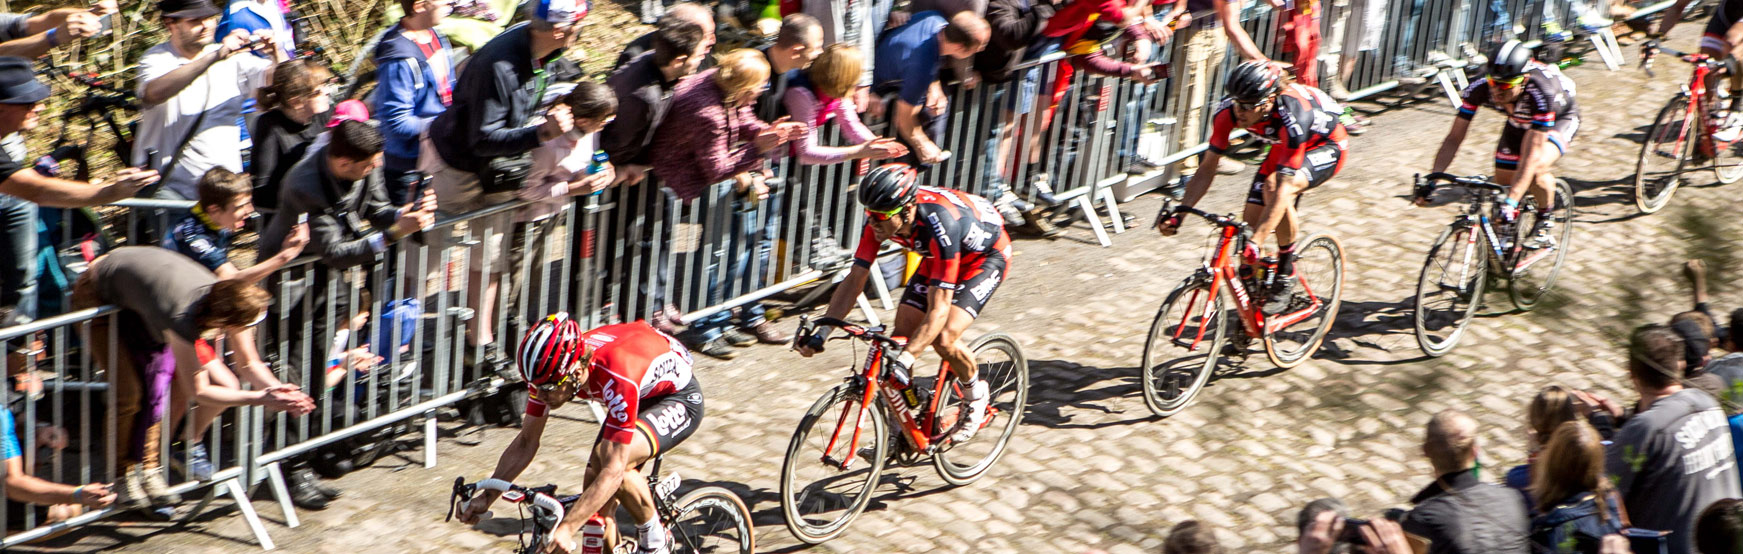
(1253, 106)
(883, 215)
(1506, 84)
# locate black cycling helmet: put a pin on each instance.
(1511, 60)
(1253, 81)
(889, 187)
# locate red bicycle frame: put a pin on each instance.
(1697, 106)
(914, 429)
(1225, 272)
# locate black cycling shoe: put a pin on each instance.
(303, 492)
(1282, 293)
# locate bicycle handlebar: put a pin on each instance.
(1651, 46)
(1474, 181)
(1214, 219)
(464, 493)
(807, 326)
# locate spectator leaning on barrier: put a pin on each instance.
(479, 151)
(339, 187)
(414, 83)
(683, 12)
(563, 172)
(711, 135)
(856, 23)
(796, 46)
(823, 93)
(171, 307)
(225, 205)
(1577, 505)
(50, 501)
(22, 190)
(191, 91)
(908, 59)
(1674, 456)
(297, 108)
(1202, 41)
(1458, 513)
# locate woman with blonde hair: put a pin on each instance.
(824, 93)
(1553, 406)
(1577, 504)
(711, 135)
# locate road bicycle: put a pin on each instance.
(1686, 131)
(707, 520)
(1191, 331)
(843, 442)
(1477, 246)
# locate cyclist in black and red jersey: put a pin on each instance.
(1541, 122)
(967, 254)
(1308, 146)
(652, 403)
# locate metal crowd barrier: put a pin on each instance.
(628, 251)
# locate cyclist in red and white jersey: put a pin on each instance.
(1308, 146)
(967, 252)
(652, 403)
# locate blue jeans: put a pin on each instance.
(747, 236)
(19, 249)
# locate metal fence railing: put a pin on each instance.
(626, 252)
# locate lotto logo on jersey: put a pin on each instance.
(669, 419)
(616, 408)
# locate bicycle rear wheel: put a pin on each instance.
(1006, 371)
(1663, 155)
(818, 498)
(1185, 343)
(1450, 287)
(1319, 263)
(712, 520)
(1535, 270)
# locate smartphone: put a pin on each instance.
(150, 159)
(1352, 533)
(303, 218)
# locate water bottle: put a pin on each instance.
(593, 535)
(600, 158)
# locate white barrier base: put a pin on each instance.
(275, 478)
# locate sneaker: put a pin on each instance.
(1281, 294)
(1038, 226)
(1141, 165)
(1013, 216)
(1352, 123)
(157, 489)
(977, 404)
(130, 488)
(766, 333)
(717, 349)
(1044, 190)
(1229, 166)
(1730, 127)
(665, 548)
(1544, 236)
(737, 338)
(197, 466)
(303, 492)
(1337, 91)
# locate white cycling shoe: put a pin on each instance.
(977, 405)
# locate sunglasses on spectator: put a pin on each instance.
(1506, 84)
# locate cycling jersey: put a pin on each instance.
(1547, 97)
(632, 365)
(956, 231)
(1302, 119)
(1727, 15)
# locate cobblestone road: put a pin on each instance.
(1091, 468)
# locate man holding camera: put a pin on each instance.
(192, 91)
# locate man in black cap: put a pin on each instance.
(21, 191)
(192, 90)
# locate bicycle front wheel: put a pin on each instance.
(712, 520)
(818, 497)
(1450, 287)
(1536, 268)
(1006, 372)
(1185, 343)
(1663, 154)
(1319, 264)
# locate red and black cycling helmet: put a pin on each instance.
(1252, 82)
(550, 349)
(889, 187)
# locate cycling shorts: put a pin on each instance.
(1513, 141)
(978, 285)
(1323, 163)
(667, 420)
(1726, 15)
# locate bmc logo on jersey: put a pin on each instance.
(985, 288)
(976, 237)
(669, 419)
(617, 410)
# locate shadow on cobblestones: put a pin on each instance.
(1058, 385)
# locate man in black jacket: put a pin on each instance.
(1458, 513)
